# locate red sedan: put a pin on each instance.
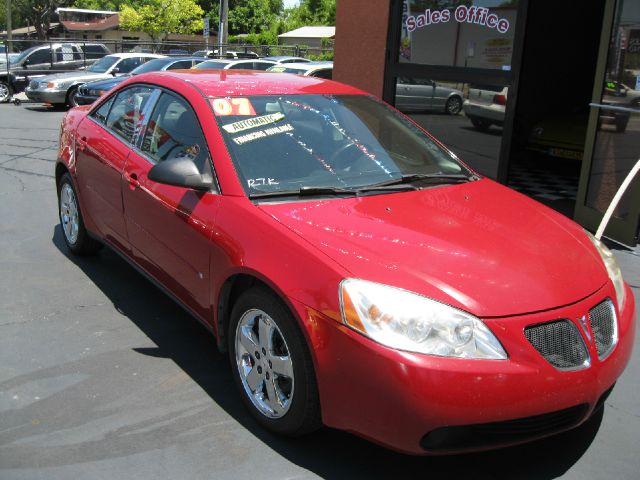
(359, 275)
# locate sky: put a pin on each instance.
(291, 3)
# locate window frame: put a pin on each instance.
(136, 146)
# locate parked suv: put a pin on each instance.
(42, 60)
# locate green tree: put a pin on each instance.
(39, 14)
(159, 18)
(313, 12)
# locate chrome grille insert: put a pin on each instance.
(605, 327)
(560, 343)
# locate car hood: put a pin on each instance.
(478, 246)
(77, 75)
(106, 84)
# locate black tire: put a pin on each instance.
(453, 105)
(73, 230)
(480, 124)
(303, 413)
(71, 97)
(6, 92)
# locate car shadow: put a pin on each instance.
(328, 453)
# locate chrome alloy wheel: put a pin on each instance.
(264, 364)
(5, 92)
(69, 214)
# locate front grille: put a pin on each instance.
(560, 343)
(605, 327)
(502, 433)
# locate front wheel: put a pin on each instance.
(272, 366)
(5, 92)
(71, 98)
(75, 234)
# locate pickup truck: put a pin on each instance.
(43, 60)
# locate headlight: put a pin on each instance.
(613, 269)
(407, 321)
(58, 85)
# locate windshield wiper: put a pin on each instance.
(431, 178)
(306, 192)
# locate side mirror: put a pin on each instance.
(180, 172)
(115, 71)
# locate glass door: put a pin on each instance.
(613, 139)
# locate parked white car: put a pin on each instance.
(308, 69)
(485, 105)
(62, 88)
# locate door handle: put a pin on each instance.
(132, 178)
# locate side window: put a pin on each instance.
(126, 113)
(328, 73)
(40, 56)
(181, 64)
(101, 113)
(241, 66)
(77, 53)
(173, 132)
(128, 64)
(261, 65)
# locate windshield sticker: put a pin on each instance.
(268, 132)
(253, 122)
(277, 69)
(260, 182)
(223, 107)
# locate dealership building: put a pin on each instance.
(543, 96)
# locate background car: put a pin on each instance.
(40, 60)
(417, 94)
(227, 64)
(471, 316)
(287, 59)
(91, 91)
(230, 54)
(485, 105)
(307, 69)
(62, 88)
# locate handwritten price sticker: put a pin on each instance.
(223, 107)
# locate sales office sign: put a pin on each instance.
(462, 14)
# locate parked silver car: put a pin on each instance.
(62, 88)
(420, 94)
(308, 69)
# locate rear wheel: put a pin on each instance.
(5, 92)
(453, 106)
(480, 124)
(272, 366)
(75, 234)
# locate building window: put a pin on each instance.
(458, 33)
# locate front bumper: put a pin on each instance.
(83, 99)
(410, 402)
(46, 95)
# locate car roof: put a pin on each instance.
(128, 55)
(306, 67)
(217, 83)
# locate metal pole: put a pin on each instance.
(9, 27)
(223, 25)
(616, 199)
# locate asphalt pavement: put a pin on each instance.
(102, 376)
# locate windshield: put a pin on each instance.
(22, 55)
(292, 142)
(102, 65)
(150, 66)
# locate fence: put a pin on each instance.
(7, 58)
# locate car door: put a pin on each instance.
(169, 227)
(103, 143)
(414, 94)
